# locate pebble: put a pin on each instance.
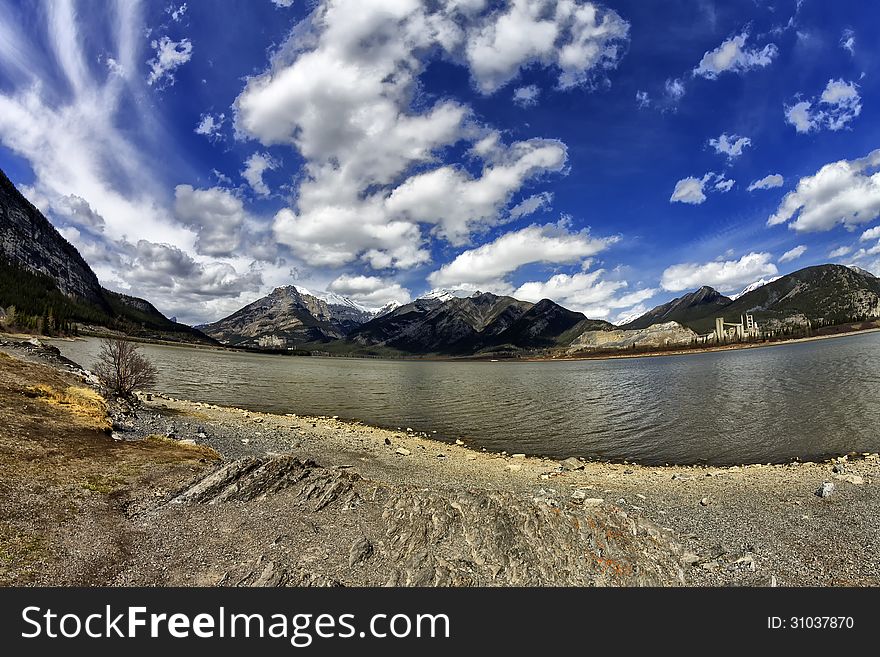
(825, 490)
(403, 451)
(704, 501)
(458, 441)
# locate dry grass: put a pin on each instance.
(88, 408)
(198, 451)
(65, 482)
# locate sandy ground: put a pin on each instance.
(752, 525)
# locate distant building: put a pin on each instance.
(726, 331)
(271, 342)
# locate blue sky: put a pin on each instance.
(607, 156)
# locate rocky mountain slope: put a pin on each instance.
(824, 294)
(695, 305)
(480, 323)
(29, 241)
(43, 276)
(284, 318)
(656, 336)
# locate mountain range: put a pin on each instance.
(823, 294)
(44, 279)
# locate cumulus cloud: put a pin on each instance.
(210, 126)
(588, 292)
(526, 96)
(643, 100)
(733, 55)
(767, 182)
(574, 37)
(845, 192)
(848, 41)
(490, 264)
(689, 190)
(840, 251)
(181, 279)
(77, 211)
(424, 198)
(870, 234)
(793, 254)
(215, 214)
(168, 57)
(372, 181)
(370, 291)
(254, 168)
(730, 145)
(693, 190)
(834, 109)
(282, 3)
(725, 275)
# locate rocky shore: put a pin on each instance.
(292, 500)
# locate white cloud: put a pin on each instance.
(730, 145)
(574, 37)
(526, 96)
(370, 291)
(793, 254)
(424, 198)
(840, 251)
(586, 292)
(870, 234)
(282, 3)
(689, 190)
(254, 168)
(100, 181)
(373, 176)
(675, 89)
(848, 41)
(725, 275)
(723, 184)
(767, 182)
(169, 56)
(489, 264)
(215, 214)
(176, 13)
(693, 190)
(733, 55)
(845, 192)
(837, 106)
(643, 100)
(210, 126)
(531, 205)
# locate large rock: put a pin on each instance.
(415, 537)
(668, 334)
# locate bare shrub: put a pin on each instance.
(122, 369)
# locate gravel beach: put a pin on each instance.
(293, 500)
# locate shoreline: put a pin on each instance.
(476, 358)
(412, 498)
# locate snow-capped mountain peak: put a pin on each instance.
(445, 294)
(751, 287)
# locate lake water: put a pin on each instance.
(771, 404)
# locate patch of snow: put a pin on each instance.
(751, 287)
